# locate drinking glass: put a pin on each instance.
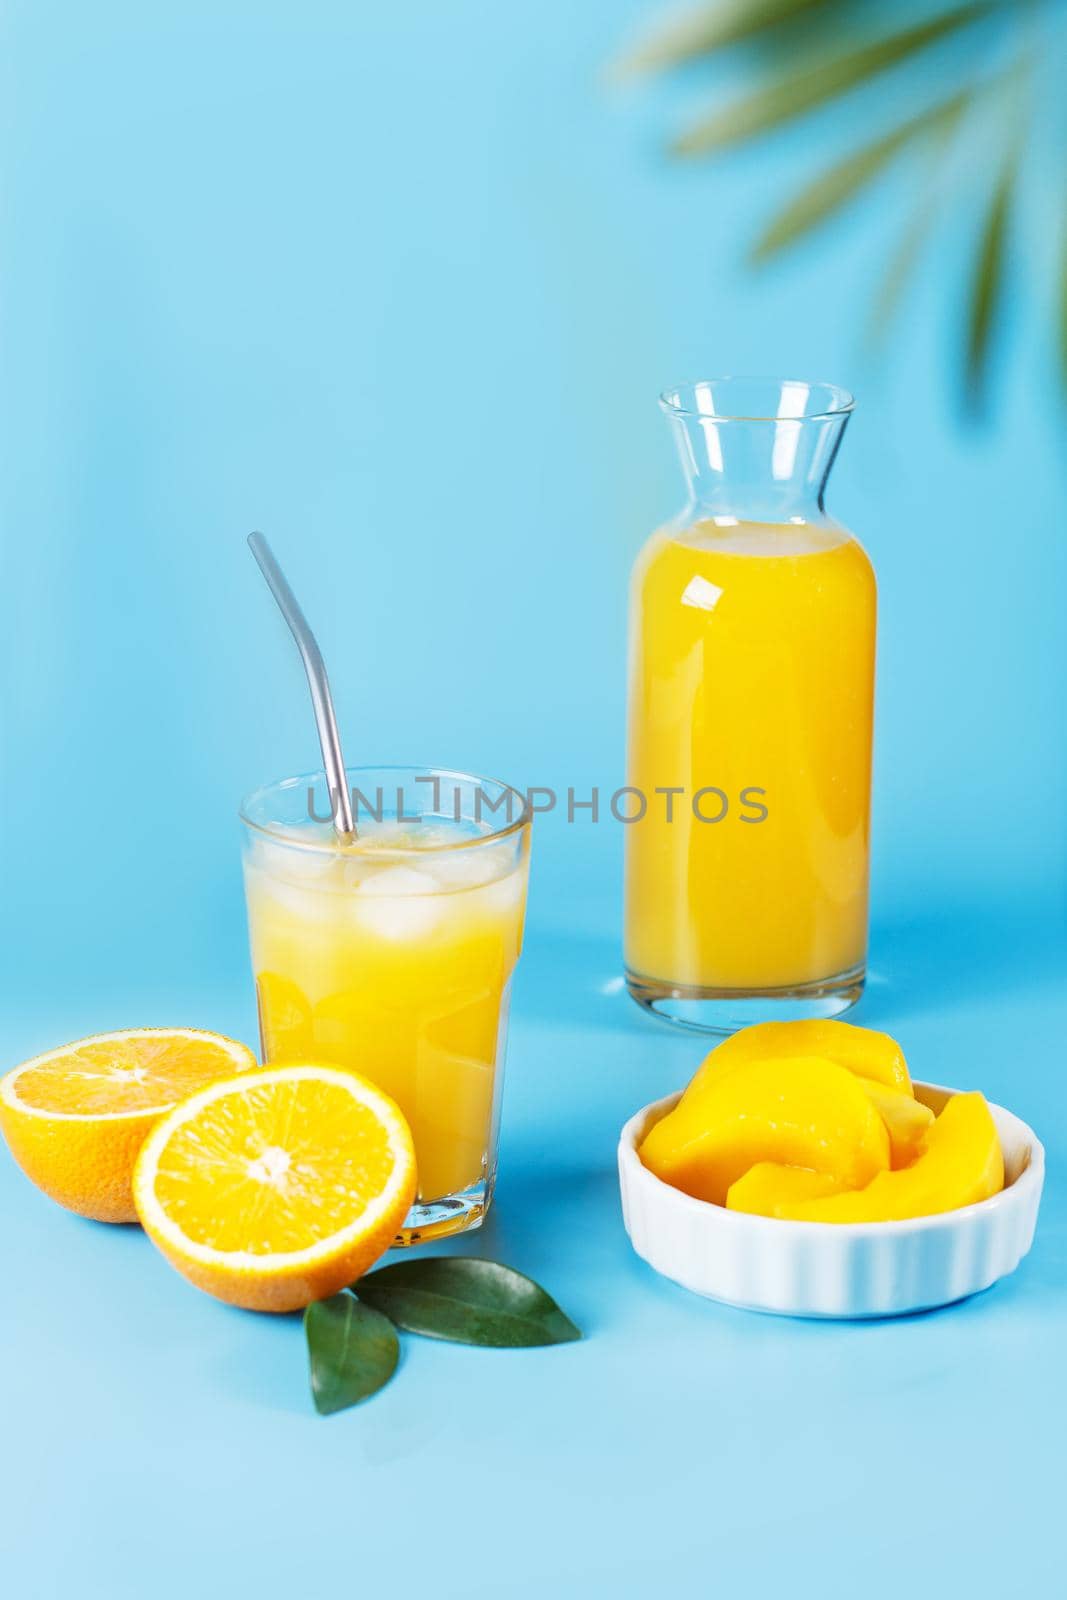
(393, 955)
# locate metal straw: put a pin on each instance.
(318, 683)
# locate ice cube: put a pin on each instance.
(389, 834)
(461, 869)
(470, 869)
(436, 833)
(398, 902)
(400, 880)
(271, 895)
(292, 864)
(355, 870)
(504, 896)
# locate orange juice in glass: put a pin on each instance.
(393, 955)
(752, 641)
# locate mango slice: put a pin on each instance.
(961, 1164)
(815, 1114)
(864, 1051)
(906, 1120)
(768, 1185)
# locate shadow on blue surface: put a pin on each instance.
(957, 954)
(920, 961)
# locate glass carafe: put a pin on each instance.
(752, 637)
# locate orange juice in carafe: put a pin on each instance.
(750, 717)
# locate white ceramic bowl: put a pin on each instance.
(831, 1269)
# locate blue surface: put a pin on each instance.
(399, 285)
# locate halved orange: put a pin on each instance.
(276, 1189)
(75, 1118)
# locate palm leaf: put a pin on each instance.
(987, 283)
(833, 189)
(1063, 313)
(793, 95)
(716, 26)
(902, 263)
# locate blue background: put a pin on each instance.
(399, 284)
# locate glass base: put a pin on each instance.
(725, 1010)
(437, 1219)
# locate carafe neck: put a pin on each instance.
(757, 450)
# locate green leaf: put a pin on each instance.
(987, 282)
(714, 27)
(352, 1351)
(902, 263)
(833, 189)
(467, 1300)
(797, 93)
(1063, 312)
(904, 258)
